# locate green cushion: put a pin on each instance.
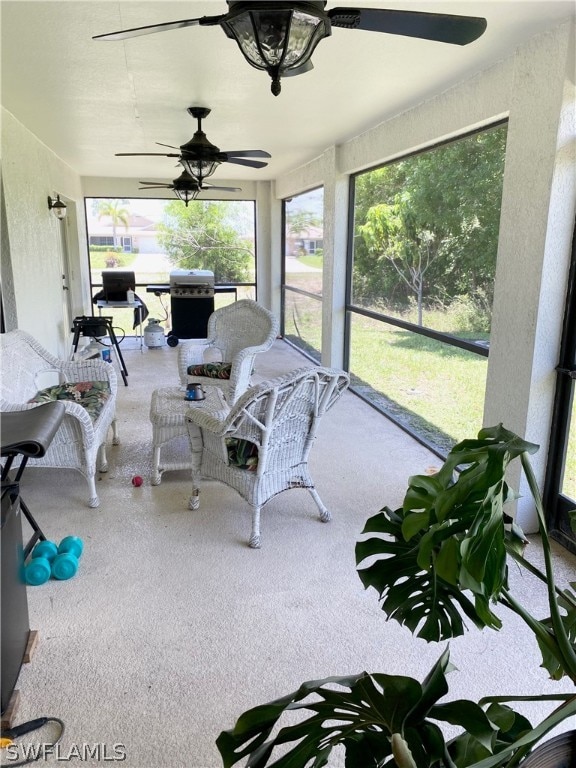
(91, 395)
(211, 370)
(242, 454)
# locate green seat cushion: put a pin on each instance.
(211, 370)
(242, 454)
(91, 395)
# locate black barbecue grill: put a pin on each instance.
(191, 303)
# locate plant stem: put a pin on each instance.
(568, 652)
(521, 560)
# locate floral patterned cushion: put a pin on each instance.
(91, 395)
(242, 454)
(211, 370)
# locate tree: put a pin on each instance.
(112, 210)
(428, 224)
(299, 223)
(208, 234)
(391, 230)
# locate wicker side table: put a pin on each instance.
(168, 409)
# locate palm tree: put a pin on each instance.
(117, 215)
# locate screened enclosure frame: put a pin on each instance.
(352, 309)
(556, 504)
(286, 288)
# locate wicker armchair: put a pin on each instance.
(260, 445)
(88, 390)
(236, 333)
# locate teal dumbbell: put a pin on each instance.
(46, 549)
(72, 544)
(65, 564)
(39, 569)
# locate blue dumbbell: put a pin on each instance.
(72, 544)
(39, 569)
(46, 549)
(65, 564)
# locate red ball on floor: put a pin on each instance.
(137, 481)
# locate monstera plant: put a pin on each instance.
(440, 559)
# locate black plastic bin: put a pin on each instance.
(15, 628)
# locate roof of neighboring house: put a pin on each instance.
(137, 225)
(308, 233)
(135, 220)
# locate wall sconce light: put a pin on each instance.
(57, 206)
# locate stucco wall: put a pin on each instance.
(31, 173)
(536, 226)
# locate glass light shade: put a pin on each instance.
(278, 39)
(186, 188)
(186, 195)
(57, 207)
(198, 168)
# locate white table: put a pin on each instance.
(168, 409)
(136, 305)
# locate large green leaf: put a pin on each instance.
(365, 714)
(450, 537)
(567, 605)
(361, 713)
(508, 726)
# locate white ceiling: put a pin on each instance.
(87, 100)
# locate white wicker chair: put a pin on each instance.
(279, 417)
(236, 334)
(80, 441)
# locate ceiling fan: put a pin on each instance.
(200, 157)
(186, 188)
(279, 37)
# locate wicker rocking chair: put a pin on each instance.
(260, 445)
(88, 391)
(236, 334)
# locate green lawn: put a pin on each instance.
(435, 389)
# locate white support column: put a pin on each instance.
(536, 227)
(334, 269)
(267, 245)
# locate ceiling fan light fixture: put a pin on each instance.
(277, 37)
(186, 195)
(199, 168)
(186, 188)
(200, 157)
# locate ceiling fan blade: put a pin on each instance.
(158, 186)
(145, 154)
(298, 70)
(124, 34)
(445, 28)
(155, 184)
(209, 187)
(247, 153)
(249, 163)
(171, 146)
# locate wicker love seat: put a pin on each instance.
(87, 389)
